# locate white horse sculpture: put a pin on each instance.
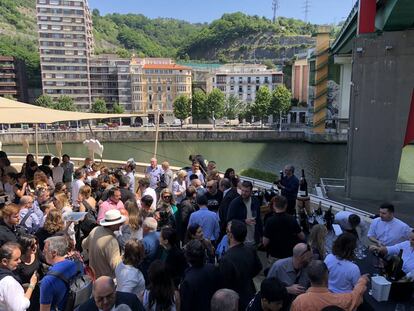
(94, 146)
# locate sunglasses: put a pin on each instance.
(308, 249)
(167, 197)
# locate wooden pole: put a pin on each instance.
(156, 134)
(37, 142)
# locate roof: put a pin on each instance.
(12, 111)
(165, 66)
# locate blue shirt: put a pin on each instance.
(151, 242)
(208, 221)
(53, 290)
(389, 232)
(154, 175)
(407, 255)
(343, 274)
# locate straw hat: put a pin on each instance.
(112, 217)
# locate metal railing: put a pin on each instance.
(404, 187)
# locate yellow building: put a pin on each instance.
(155, 84)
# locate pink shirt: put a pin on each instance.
(107, 206)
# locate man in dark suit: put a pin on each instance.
(200, 280)
(229, 194)
(240, 264)
(246, 208)
(105, 297)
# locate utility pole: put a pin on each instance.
(306, 9)
(275, 7)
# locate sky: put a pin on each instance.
(200, 11)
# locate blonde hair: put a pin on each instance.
(40, 180)
(164, 191)
(317, 239)
(9, 209)
(134, 219)
(62, 199)
(85, 191)
(54, 221)
(181, 174)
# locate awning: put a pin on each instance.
(12, 111)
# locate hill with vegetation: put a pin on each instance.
(233, 37)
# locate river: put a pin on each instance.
(318, 160)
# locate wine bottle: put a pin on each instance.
(319, 210)
(397, 263)
(280, 179)
(329, 218)
(303, 185)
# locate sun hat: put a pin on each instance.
(112, 217)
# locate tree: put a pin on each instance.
(233, 107)
(64, 103)
(215, 104)
(44, 101)
(8, 96)
(261, 104)
(99, 106)
(182, 108)
(198, 104)
(117, 108)
(281, 102)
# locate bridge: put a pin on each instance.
(376, 43)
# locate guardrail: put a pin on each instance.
(317, 199)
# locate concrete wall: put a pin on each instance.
(383, 80)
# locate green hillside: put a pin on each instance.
(234, 36)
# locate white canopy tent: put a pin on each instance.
(12, 112)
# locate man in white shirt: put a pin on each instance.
(145, 189)
(12, 295)
(57, 171)
(130, 172)
(387, 230)
(154, 172)
(407, 254)
(77, 183)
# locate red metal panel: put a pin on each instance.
(366, 16)
(409, 133)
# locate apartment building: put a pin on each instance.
(244, 80)
(300, 77)
(65, 45)
(110, 80)
(13, 78)
(156, 83)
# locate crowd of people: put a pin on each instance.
(187, 240)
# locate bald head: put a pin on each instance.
(104, 293)
(26, 199)
(196, 183)
(299, 249)
(102, 283)
(225, 299)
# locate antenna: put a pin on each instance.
(306, 9)
(275, 7)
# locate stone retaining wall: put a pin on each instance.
(167, 135)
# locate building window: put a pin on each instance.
(149, 88)
(257, 87)
(240, 89)
(240, 79)
(257, 80)
(266, 80)
(249, 79)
